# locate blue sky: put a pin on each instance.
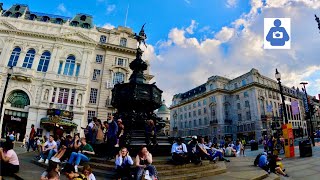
(191, 40)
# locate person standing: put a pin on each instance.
(112, 137)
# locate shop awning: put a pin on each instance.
(62, 122)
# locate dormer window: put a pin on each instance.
(7, 14)
(17, 8)
(103, 39)
(86, 25)
(45, 19)
(32, 17)
(74, 23)
(16, 15)
(83, 18)
(59, 21)
(123, 42)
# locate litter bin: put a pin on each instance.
(305, 148)
(254, 146)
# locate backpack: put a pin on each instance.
(256, 161)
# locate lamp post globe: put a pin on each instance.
(278, 75)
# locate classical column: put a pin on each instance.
(21, 58)
(36, 61)
(6, 51)
(54, 60)
(69, 97)
(50, 94)
(57, 96)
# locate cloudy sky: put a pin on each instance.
(191, 40)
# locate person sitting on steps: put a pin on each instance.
(179, 152)
(123, 163)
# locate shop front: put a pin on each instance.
(14, 121)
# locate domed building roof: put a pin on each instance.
(163, 108)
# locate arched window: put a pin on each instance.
(44, 62)
(14, 57)
(83, 18)
(28, 60)
(17, 14)
(118, 77)
(17, 8)
(59, 21)
(45, 19)
(74, 23)
(103, 39)
(123, 42)
(69, 67)
(32, 17)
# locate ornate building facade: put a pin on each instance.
(248, 107)
(59, 63)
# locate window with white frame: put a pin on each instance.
(123, 42)
(54, 94)
(93, 96)
(99, 58)
(118, 77)
(69, 66)
(121, 61)
(44, 61)
(96, 74)
(63, 96)
(28, 60)
(73, 93)
(91, 114)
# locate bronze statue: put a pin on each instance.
(141, 37)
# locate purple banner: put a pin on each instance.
(295, 107)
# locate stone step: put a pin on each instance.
(171, 171)
(272, 176)
(160, 167)
(196, 174)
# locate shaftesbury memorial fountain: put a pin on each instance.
(136, 101)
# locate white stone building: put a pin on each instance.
(59, 63)
(244, 107)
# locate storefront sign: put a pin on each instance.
(15, 119)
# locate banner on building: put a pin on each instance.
(295, 107)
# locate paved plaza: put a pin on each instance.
(239, 168)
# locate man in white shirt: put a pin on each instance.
(50, 148)
(179, 152)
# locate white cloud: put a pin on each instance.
(231, 3)
(187, 1)
(108, 26)
(192, 26)
(111, 8)
(187, 61)
(62, 8)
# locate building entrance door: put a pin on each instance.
(14, 121)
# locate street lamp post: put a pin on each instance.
(311, 126)
(278, 77)
(5, 90)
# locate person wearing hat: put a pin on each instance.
(179, 152)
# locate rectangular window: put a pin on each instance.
(60, 67)
(189, 124)
(239, 117)
(246, 103)
(204, 102)
(120, 62)
(96, 74)
(194, 123)
(244, 82)
(205, 121)
(237, 97)
(238, 106)
(189, 106)
(63, 96)
(93, 96)
(77, 70)
(194, 113)
(235, 85)
(199, 112)
(189, 114)
(245, 94)
(200, 122)
(248, 114)
(194, 105)
(72, 96)
(99, 58)
(185, 115)
(199, 103)
(91, 114)
(204, 110)
(185, 125)
(181, 117)
(54, 94)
